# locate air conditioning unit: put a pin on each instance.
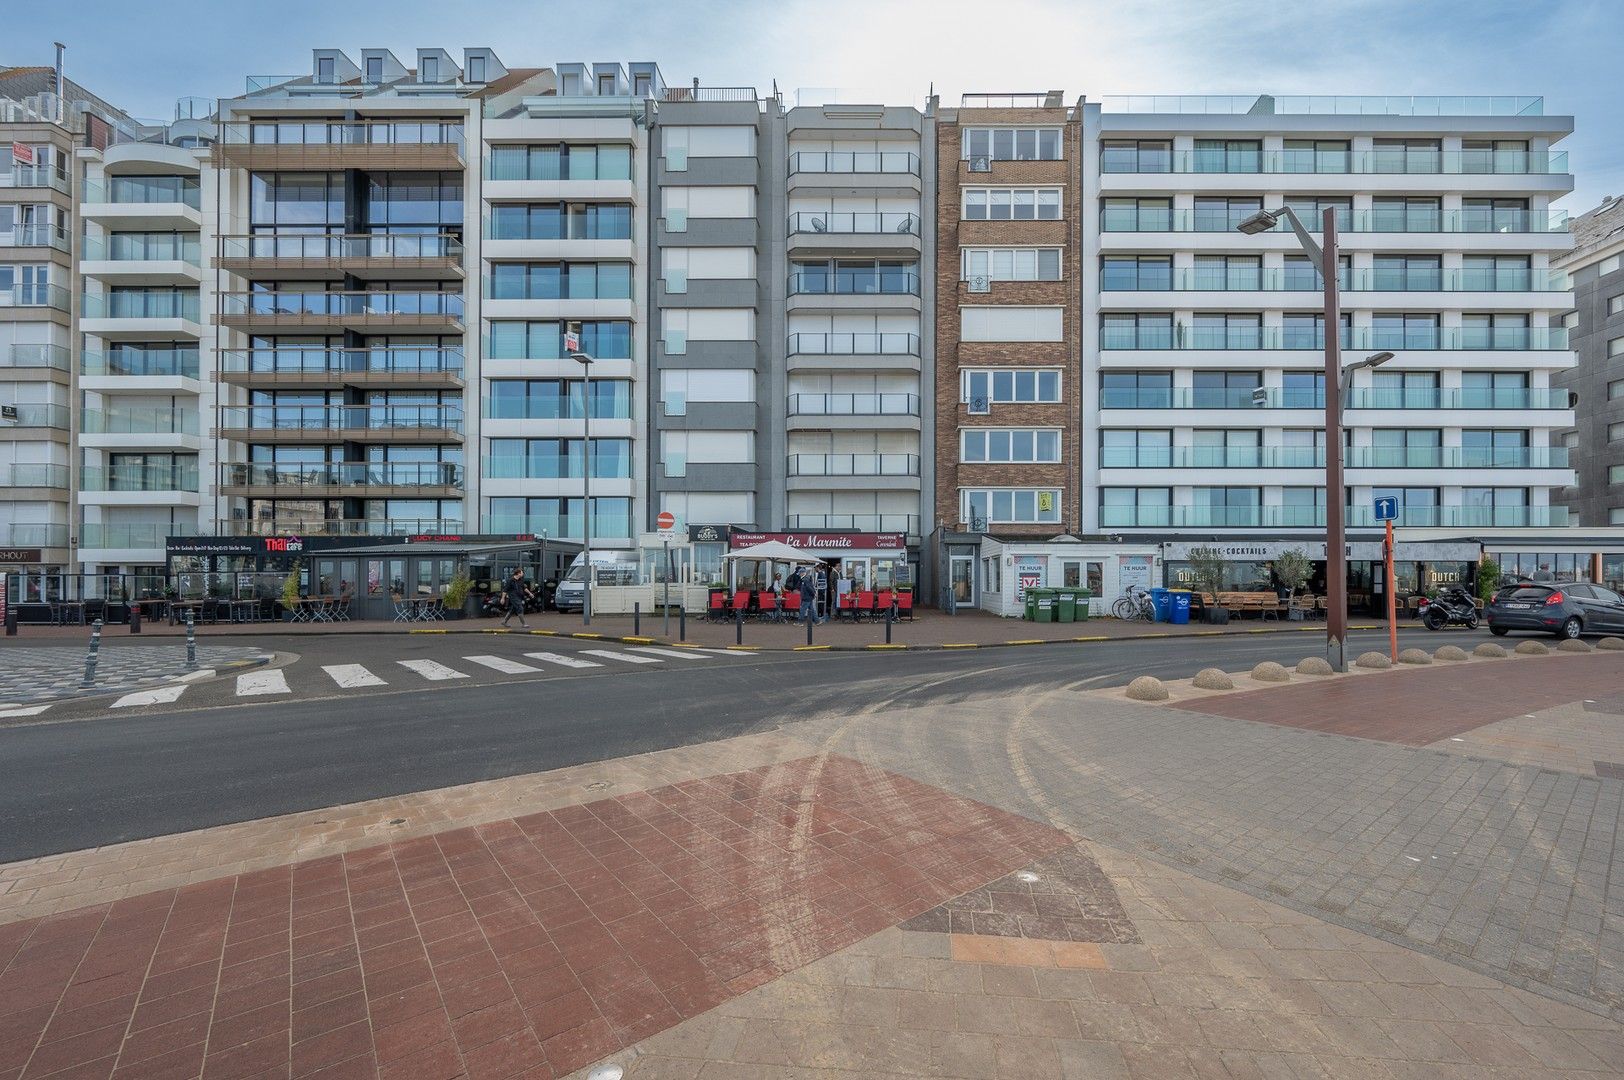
(980, 406)
(980, 283)
(981, 163)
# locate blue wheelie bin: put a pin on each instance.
(1181, 606)
(1162, 601)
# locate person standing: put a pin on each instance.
(809, 596)
(1544, 573)
(514, 590)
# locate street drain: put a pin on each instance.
(600, 785)
(397, 821)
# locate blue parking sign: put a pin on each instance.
(1387, 508)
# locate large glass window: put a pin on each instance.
(555, 399)
(1012, 204)
(1137, 215)
(1222, 213)
(1012, 264)
(555, 459)
(1012, 506)
(1225, 389)
(413, 202)
(561, 161)
(561, 221)
(1136, 272)
(1136, 506)
(557, 281)
(295, 203)
(1130, 156)
(1227, 156)
(1009, 445)
(1012, 144)
(1000, 386)
(561, 517)
(1136, 390)
(602, 340)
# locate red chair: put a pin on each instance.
(905, 605)
(882, 600)
(741, 600)
(718, 606)
(865, 602)
(792, 603)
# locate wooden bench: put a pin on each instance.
(1263, 604)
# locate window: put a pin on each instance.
(1615, 474)
(1224, 389)
(561, 281)
(476, 69)
(1615, 432)
(1136, 506)
(1012, 324)
(1496, 273)
(1615, 515)
(1010, 386)
(556, 459)
(1012, 506)
(1147, 331)
(711, 141)
(1224, 330)
(1227, 156)
(1136, 390)
(1315, 156)
(1609, 265)
(1615, 390)
(374, 69)
(1494, 215)
(1406, 156)
(679, 449)
(1141, 156)
(1136, 273)
(1011, 264)
(428, 69)
(1419, 273)
(642, 85)
(1144, 449)
(1487, 448)
(1222, 213)
(1009, 445)
(1229, 273)
(606, 84)
(1137, 215)
(679, 387)
(602, 339)
(1390, 213)
(1615, 306)
(561, 161)
(562, 517)
(1497, 331)
(1012, 144)
(562, 221)
(324, 70)
(1419, 390)
(1615, 347)
(555, 399)
(1012, 204)
(1407, 331)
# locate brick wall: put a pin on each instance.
(952, 355)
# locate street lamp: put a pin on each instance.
(1323, 256)
(585, 360)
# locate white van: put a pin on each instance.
(571, 590)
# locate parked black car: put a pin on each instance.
(1566, 609)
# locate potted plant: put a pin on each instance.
(1292, 568)
(456, 595)
(290, 591)
(1207, 571)
(1488, 580)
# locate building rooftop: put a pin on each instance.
(26, 84)
(1593, 231)
(1325, 104)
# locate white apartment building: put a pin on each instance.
(1205, 377)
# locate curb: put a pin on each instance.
(197, 677)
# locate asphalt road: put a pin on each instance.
(89, 776)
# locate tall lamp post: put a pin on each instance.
(572, 343)
(1324, 259)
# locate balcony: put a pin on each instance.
(365, 479)
(141, 364)
(896, 231)
(36, 236)
(1323, 105)
(1361, 398)
(37, 415)
(139, 478)
(1456, 457)
(141, 313)
(871, 523)
(38, 297)
(395, 256)
(330, 145)
(1313, 517)
(853, 289)
(48, 357)
(813, 471)
(1377, 162)
(883, 172)
(140, 536)
(1465, 397)
(350, 423)
(1212, 457)
(1278, 338)
(854, 405)
(292, 365)
(28, 534)
(331, 312)
(1487, 222)
(122, 421)
(143, 202)
(853, 352)
(345, 527)
(1281, 279)
(34, 176)
(32, 475)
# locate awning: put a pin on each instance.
(773, 551)
(433, 548)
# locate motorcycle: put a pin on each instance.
(1453, 606)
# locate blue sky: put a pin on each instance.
(144, 56)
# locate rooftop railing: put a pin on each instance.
(1338, 105)
(710, 93)
(1161, 219)
(1363, 279)
(1365, 162)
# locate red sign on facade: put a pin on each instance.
(832, 542)
(22, 154)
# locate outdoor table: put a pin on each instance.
(65, 611)
(179, 608)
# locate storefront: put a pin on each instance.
(866, 560)
(1559, 555)
(1005, 569)
(1420, 568)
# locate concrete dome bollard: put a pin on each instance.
(1532, 648)
(1489, 649)
(1314, 665)
(1212, 679)
(1414, 656)
(1147, 688)
(1451, 652)
(1374, 660)
(1611, 644)
(1573, 645)
(1269, 671)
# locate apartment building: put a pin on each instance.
(1204, 374)
(42, 126)
(1596, 328)
(565, 200)
(1009, 326)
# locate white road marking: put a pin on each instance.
(502, 664)
(161, 696)
(194, 676)
(431, 670)
(625, 658)
(351, 676)
(560, 658)
(259, 683)
(681, 654)
(33, 711)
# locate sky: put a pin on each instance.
(145, 56)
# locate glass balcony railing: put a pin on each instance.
(1378, 161)
(131, 535)
(35, 235)
(341, 417)
(1457, 457)
(36, 414)
(609, 465)
(864, 223)
(318, 362)
(344, 474)
(894, 523)
(143, 247)
(33, 534)
(855, 283)
(1271, 338)
(145, 191)
(142, 304)
(854, 405)
(1161, 219)
(380, 245)
(884, 344)
(344, 527)
(861, 161)
(148, 477)
(155, 420)
(1211, 457)
(34, 296)
(579, 285)
(33, 475)
(1465, 397)
(1363, 279)
(171, 363)
(292, 132)
(34, 176)
(854, 465)
(608, 522)
(36, 356)
(344, 304)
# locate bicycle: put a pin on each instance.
(1134, 604)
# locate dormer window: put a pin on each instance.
(428, 69)
(643, 84)
(324, 70)
(476, 69)
(572, 84)
(606, 84)
(374, 69)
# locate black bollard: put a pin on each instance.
(682, 624)
(135, 618)
(11, 620)
(890, 616)
(809, 631)
(738, 628)
(92, 654)
(637, 619)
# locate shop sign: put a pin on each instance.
(283, 545)
(709, 534)
(1028, 575)
(211, 545)
(1134, 570)
(29, 556)
(825, 541)
(1244, 550)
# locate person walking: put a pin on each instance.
(809, 597)
(514, 590)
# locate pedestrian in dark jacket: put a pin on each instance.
(513, 588)
(809, 597)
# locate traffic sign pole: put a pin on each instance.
(1392, 603)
